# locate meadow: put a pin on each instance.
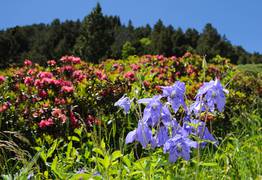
(143, 117)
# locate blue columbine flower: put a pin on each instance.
(210, 94)
(152, 111)
(142, 134)
(124, 102)
(175, 95)
(162, 136)
(198, 128)
(179, 146)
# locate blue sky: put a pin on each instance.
(239, 20)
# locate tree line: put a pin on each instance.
(98, 37)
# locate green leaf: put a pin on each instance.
(73, 138)
(98, 151)
(116, 154)
(69, 148)
(209, 164)
(105, 162)
(127, 161)
(52, 149)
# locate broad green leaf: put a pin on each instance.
(98, 151)
(116, 154)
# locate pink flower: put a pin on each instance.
(28, 81)
(2, 79)
(45, 75)
(67, 69)
(130, 75)
(27, 62)
(46, 123)
(38, 83)
(135, 67)
(101, 75)
(59, 101)
(56, 112)
(146, 84)
(51, 62)
(42, 93)
(73, 119)
(160, 57)
(31, 71)
(70, 59)
(67, 89)
(4, 107)
(78, 75)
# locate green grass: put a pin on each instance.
(253, 68)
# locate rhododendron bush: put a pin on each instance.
(67, 92)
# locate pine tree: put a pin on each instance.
(94, 40)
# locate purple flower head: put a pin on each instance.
(162, 136)
(152, 112)
(213, 94)
(124, 102)
(179, 146)
(166, 116)
(199, 129)
(175, 95)
(142, 134)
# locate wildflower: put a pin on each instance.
(42, 93)
(152, 112)
(27, 62)
(213, 94)
(101, 75)
(78, 75)
(28, 81)
(2, 79)
(179, 146)
(142, 134)
(4, 107)
(70, 59)
(162, 136)
(73, 119)
(135, 67)
(198, 128)
(46, 123)
(130, 76)
(124, 102)
(51, 62)
(45, 75)
(67, 89)
(146, 84)
(175, 95)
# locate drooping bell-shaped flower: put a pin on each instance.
(175, 95)
(124, 102)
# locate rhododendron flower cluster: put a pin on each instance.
(70, 59)
(2, 79)
(159, 128)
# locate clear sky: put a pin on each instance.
(239, 20)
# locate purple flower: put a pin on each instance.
(162, 136)
(166, 116)
(179, 146)
(198, 128)
(124, 102)
(175, 95)
(142, 134)
(213, 94)
(152, 112)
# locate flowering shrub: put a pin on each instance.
(159, 128)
